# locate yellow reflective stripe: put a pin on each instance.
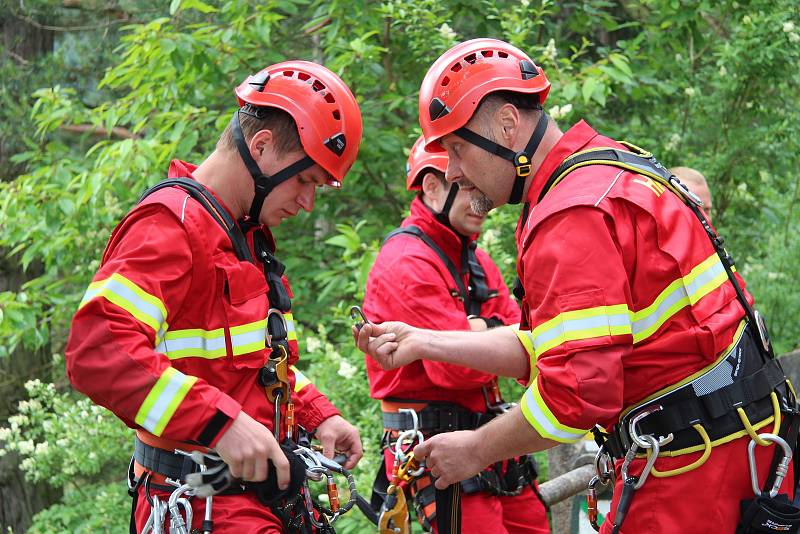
(143, 306)
(701, 280)
(291, 333)
(249, 337)
(542, 419)
(582, 324)
(193, 343)
(525, 338)
(163, 399)
(300, 380)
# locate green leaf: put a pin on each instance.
(589, 86)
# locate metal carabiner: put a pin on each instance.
(634, 434)
(355, 313)
(780, 471)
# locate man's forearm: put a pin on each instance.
(509, 436)
(496, 351)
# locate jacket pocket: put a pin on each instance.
(245, 306)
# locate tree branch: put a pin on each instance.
(116, 131)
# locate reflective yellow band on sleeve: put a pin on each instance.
(687, 291)
(582, 324)
(300, 380)
(164, 398)
(144, 307)
(542, 419)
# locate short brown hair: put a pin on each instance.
(254, 119)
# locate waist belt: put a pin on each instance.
(172, 465)
(436, 418)
(711, 400)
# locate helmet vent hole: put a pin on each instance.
(456, 67)
(329, 98)
(336, 115)
(445, 81)
(471, 59)
(303, 76)
(502, 54)
(317, 85)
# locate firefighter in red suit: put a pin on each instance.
(631, 319)
(410, 282)
(176, 327)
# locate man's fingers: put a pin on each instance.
(442, 483)
(328, 446)
(282, 469)
(422, 450)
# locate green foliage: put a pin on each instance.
(712, 85)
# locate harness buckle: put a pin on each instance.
(522, 163)
(634, 433)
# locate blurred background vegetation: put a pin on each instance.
(98, 95)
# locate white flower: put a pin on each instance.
(674, 141)
(313, 344)
(25, 447)
(347, 369)
(447, 32)
(689, 91)
(788, 27)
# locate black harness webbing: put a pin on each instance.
(474, 295)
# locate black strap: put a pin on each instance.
(474, 295)
(437, 418)
(521, 160)
(198, 192)
(448, 509)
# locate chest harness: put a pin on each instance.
(202, 474)
(711, 407)
(406, 427)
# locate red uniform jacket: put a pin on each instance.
(410, 283)
(171, 332)
(624, 296)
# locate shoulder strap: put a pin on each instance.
(198, 191)
(641, 162)
(422, 236)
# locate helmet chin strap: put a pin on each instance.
(521, 160)
(443, 217)
(264, 184)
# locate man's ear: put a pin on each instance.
(261, 139)
(431, 186)
(507, 119)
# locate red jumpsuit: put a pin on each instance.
(624, 295)
(171, 334)
(410, 283)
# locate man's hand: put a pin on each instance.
(451, 457)
(389, 343)
(334, 433)
(246, 447)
